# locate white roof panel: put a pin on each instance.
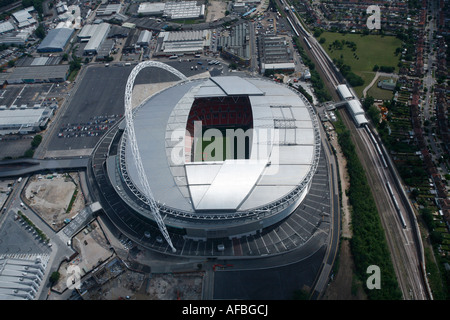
(231, 185)
(344, 91)
(233, 85)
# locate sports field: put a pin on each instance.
(370, 50)
(220, 149)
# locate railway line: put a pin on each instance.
(397, 217)
(400, 234)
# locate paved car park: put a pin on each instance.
(98, 101)
(18, 238)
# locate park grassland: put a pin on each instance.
(371, 50)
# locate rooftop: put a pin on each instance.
(284, 126)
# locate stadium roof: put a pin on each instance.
(283, 155)
(55, 40)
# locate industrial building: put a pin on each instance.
(183, 42)
(22, 278)
(39, 74)
(108, 9)
(131, 42)
(235, 45)
(24, 120)
(13, 38)
(24, 18)
(151, 8)
(97, 34)
(144, 38)
(275, 55)
(56, 40)
(6, 26)
(173, 10)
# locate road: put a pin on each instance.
(57, 250)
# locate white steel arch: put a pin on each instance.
(131, 137)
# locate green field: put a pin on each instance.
(378, 93)
(211, 148)
(371, 50)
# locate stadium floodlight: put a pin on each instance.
(131, 136)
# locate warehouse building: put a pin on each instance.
(24, 120)
(105, 49)
(56, 40)
(108, 9)
(21, 278)
(235, 45)
(24, 18)
(6, 26)
(98, 35)
(183, 42)
(151, 8)
(39, 74)
(173, 9)
(183, 10)
(131, 42)
(144, 38)
(275, 55)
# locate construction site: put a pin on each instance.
(56, 197)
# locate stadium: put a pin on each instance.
(211, 161)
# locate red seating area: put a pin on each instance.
(220, 112)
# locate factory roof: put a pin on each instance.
(55, 40)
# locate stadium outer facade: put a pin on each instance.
(203, 200)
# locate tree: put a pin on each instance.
(40, 31)
(36, 141)
(29, 153)
(54, 277)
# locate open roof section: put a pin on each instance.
(233, 86)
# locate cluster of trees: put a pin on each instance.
(368, 242)
(306, 94)
(34, 144)
(40, 31)
(317, 83)
(339, 45)
(386, 69)
(353, 79)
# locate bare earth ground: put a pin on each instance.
(93, 250)
(341, 286)
(51, 197)
(216, 10)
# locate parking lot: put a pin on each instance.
(18, 238)
(98, 102)
(27, 96)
